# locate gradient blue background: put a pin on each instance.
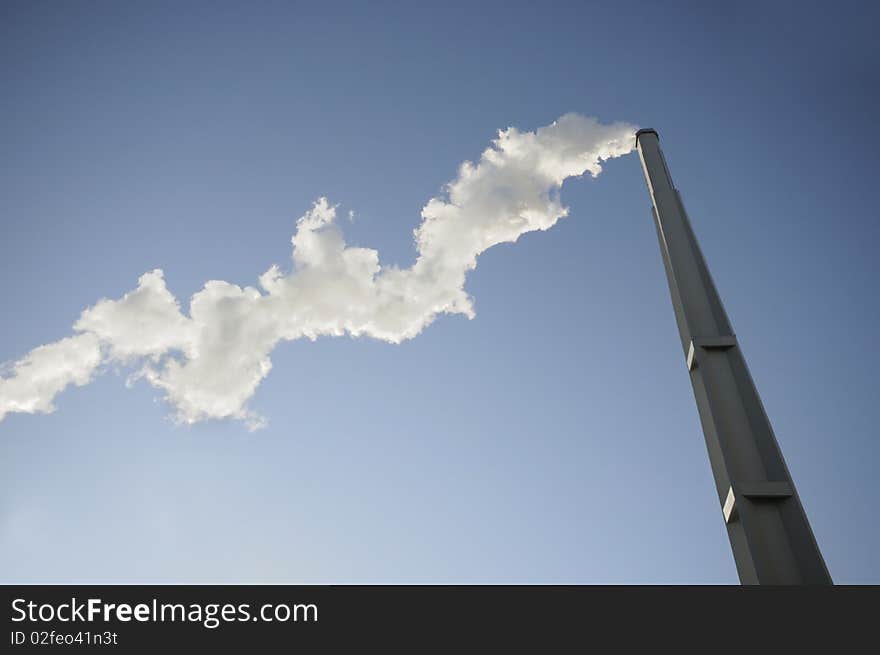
(552, 439)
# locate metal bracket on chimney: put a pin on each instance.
(763, 490)
(708, 343)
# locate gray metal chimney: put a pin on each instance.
(771, 538)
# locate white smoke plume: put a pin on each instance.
(210, 362)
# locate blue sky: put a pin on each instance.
(553, 438)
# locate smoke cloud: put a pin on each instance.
(210, 362)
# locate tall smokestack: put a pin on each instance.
(771, 538)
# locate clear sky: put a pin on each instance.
(554, 437)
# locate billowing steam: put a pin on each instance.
(209, 363)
